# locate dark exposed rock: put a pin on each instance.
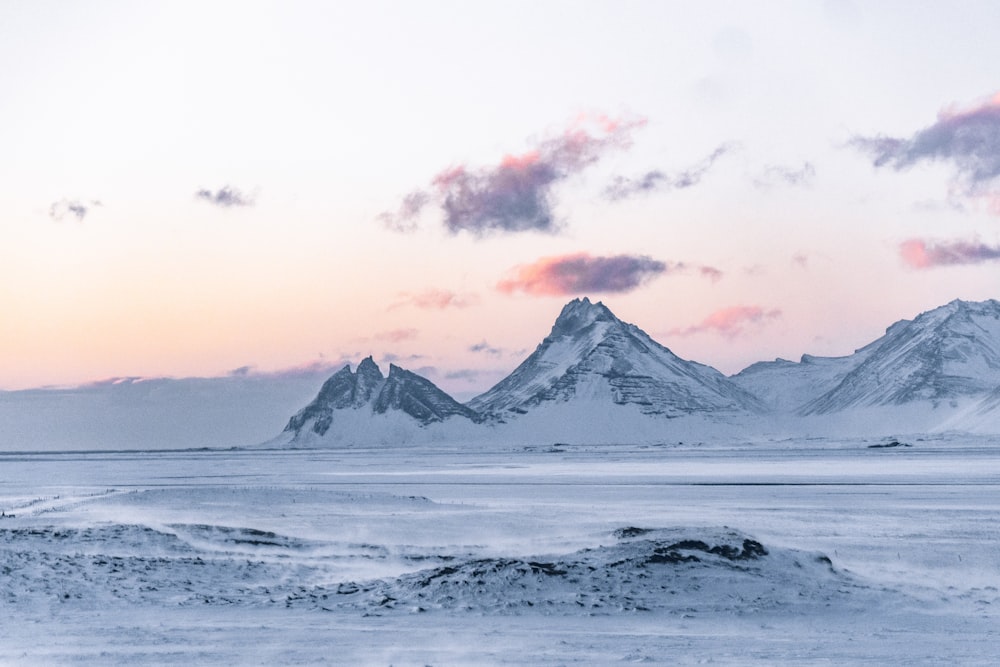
(368, 389)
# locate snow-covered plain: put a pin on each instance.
(786, 551)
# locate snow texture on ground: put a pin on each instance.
(786, 552)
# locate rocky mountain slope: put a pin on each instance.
(591, 355)
(942, 356)
(368, 393)
(948, 353)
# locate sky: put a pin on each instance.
(200, 189)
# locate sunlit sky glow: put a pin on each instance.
(189, 188)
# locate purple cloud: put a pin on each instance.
(73, 207)
(467, 374)
(921, 254)
(485, 348)
(967, 139)
(320, 366)
(581, 273)
(225, 197)
(401, 359)
(405, 219)
(623, 187)
(517, 194)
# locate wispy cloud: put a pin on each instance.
(515, 195)
(922, 254)
(968, 139)
(405, 219)
(467, 374)
(775, 175)
(391, 358)
(710, 272)
(397, 335)
(74, 207)
(730, 322)
(321, 366)
(225, 197)
(435, 299)
(485, 348)
(582, 273)
(623, 187)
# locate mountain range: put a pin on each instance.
(595, 378)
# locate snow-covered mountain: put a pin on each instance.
(781, 384)
(598, 379)
(593, 379)
(592, 356)
(948, 353)
(366, 405)
(942, 357)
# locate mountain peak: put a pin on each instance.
(579, 314)
(368, 373)
(944, 354)
(368, 365)
(593, 356)
(990, 307)
(368, 391)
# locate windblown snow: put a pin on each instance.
(841, 551)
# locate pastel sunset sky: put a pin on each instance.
(202, 188)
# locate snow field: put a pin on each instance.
(783, 552)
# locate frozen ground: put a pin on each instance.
(820, 551)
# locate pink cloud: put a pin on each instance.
(921, 254)
(730, 321)
(516, 194)
(397, 335)
(582, 273)
(710, 272)
(435, 299)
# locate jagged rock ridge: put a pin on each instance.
(367, 389)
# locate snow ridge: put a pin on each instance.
(644, 570)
